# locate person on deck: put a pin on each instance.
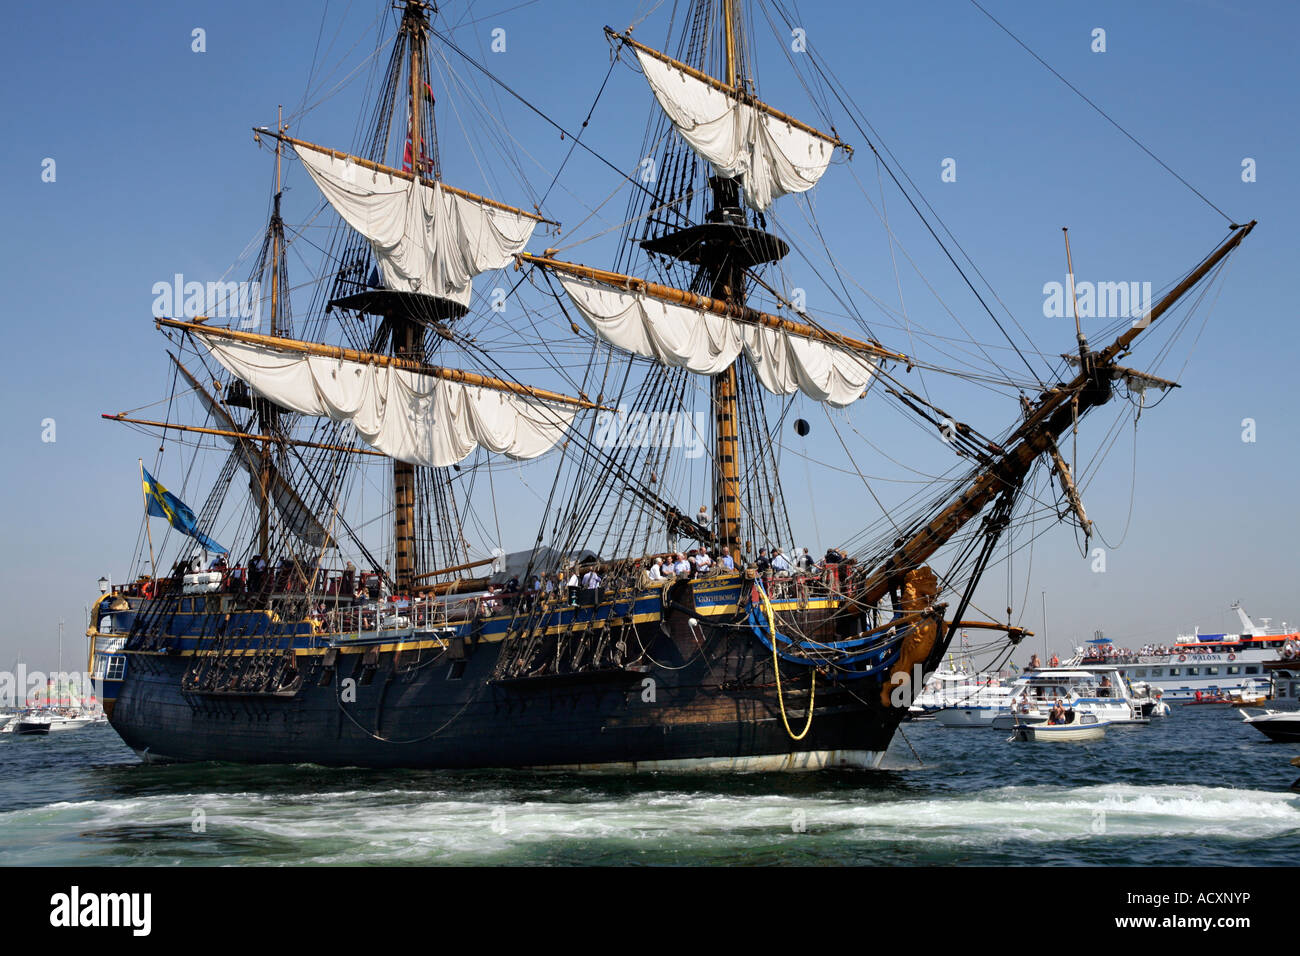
(726, 562)
(656, 572)
(762, 563)
(781, 564)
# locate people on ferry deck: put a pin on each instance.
(726, 562)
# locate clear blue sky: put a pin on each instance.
(157, 174)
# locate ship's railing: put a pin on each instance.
(417, 614)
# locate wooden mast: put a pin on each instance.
(266, 410)
(408, 335)
(727, 285)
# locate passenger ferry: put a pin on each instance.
(1209, 663)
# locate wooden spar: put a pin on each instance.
(1052, 417)
(1121, 344)
(991, 626)
(731, 91)
(227, 433)
(706, 304)
(403, 174)
(453, 569)
(377, 358)
(459, 586)
(729, 27)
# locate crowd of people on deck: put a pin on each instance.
(578, 583)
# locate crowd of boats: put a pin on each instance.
(38, 721)
(1101, 686)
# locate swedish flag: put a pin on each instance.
(161, 503)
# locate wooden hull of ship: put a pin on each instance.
(702, 696)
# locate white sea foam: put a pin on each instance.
(499, 825)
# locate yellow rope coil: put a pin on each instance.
(776, 667)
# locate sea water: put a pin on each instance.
(1199, 787)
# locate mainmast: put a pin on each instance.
(407, 333)
(723, 247)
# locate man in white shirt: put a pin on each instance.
(726, 562)
(682, 567)
(656, 572)
(780, 564)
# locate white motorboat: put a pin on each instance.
(1282, 726)
(1099, 690)
(1081, 727)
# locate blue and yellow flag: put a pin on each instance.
(161, 503)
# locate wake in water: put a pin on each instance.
(526, 825)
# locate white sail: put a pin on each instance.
(410, 416)
(770, 156)
(706, 343)
(426, 238)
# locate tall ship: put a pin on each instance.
(357, 603)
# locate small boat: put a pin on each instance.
(1249, 695)
(1282, 726)
(1081, 727)
(1207, 698)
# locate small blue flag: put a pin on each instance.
(161, 503)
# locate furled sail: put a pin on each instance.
(295, 514)
(706, 343)
(428, 239)
(770, 155)
(411, 416)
